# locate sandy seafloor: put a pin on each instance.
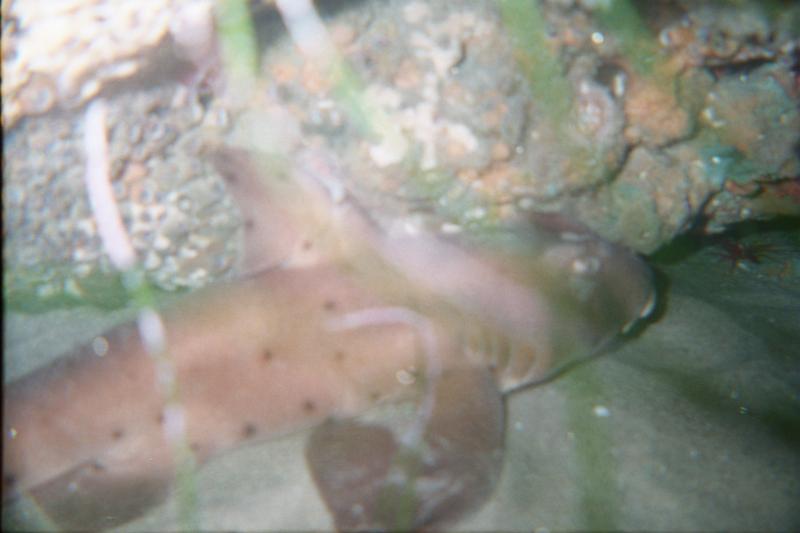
(692, 424)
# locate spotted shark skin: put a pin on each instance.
(334, 316)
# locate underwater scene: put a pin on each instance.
(395, 265)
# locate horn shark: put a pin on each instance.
(334, 315)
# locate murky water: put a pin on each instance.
(685, 121)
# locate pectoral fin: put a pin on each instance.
(93, 496)
(369, 479)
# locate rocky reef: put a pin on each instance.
(641, 120)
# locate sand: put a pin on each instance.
(692, 423)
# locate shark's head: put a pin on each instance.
(577, 293)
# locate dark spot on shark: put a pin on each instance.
(117, 434)
(248, 430)
(194, 446)
(329, 305)
(9, 481)
(224, 165)
(267, 355)
(309, 406)
(374, 395)
(340, 356)
(97, 466)
(160, 418)
(306, 245)
(248, 224)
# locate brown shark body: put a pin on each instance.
(252, 360)
(323, 337)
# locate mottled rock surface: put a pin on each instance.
(666, 117)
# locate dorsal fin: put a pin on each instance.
(277, 229)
